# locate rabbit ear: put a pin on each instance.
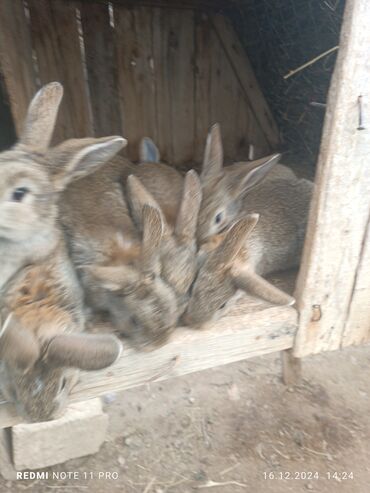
(138, 196)
(187, 218)
(149, 152)
(113, 277)
(76, 158)
(213, 155)
(84, 351)
(18, 346)
(260, 169)
(224, 255)
(256, 285)
(41, 116)
(152, 237)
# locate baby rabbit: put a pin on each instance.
(113, 256)
(224, 272)
(224, 188)
(41, 301)
(274, 243)
(140, 304)
(178, 247)
(163, 182)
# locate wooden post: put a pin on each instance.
(291, 368)
(333, 289)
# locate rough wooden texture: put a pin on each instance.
(252, 328)
(16, 58)
(136, 83)
(57, 44)
(180, 66)
(244, 72)
(101, 68)
(334, 280)
(357, 328)
(203, 81)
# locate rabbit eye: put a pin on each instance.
(218, 218)
(222, 306)
(19, 194)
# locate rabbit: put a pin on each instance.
(224, 188)
(140, 304)
(105, 245)
(225, 271)
(274, 243)
(179, 261)
(41, 301)
(163, 182)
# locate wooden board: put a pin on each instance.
(173, 52)
(244, 72)
(203, 81)
(101, 68)
(57, 44)
(180, 66)
(334, 279)
(16, 58)
(136, 84)
(251, 329)
(357, 328)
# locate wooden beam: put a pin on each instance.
(334, 279)
(245, 74)
(253, 328)
(101, 68)
(57, 45)
(16, 58)
(357, 328)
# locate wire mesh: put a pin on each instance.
(281, 35)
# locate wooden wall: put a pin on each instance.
(162, 72)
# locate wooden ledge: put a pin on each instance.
(240, 335)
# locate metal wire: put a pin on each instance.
(281, 35)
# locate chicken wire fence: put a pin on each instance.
(281, 36)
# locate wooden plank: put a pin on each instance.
(136, 84)
(173, 51)
(261, 330)
(224, 97)
(357, 328)
(203, 78)
(16, 58)
(180, 65)
(161, 33)
(331, 276)
(57, 44)
(244, 72)
(101, 68)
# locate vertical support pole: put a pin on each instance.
(291, 368)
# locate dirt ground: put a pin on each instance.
(233, 429)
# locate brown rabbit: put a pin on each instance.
(224, 188)
(41, 300)
(163, 182)
(140, 304)
(224, 272)
(274, 243)
(178, 249)
(107, 248)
